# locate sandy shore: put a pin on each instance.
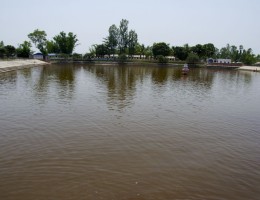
(10, 65)
(250, 68)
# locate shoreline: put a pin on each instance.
(11, 65)
(250, 68)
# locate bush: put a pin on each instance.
(77, 56)
(162, 60)
(122, 58)
(192, 58)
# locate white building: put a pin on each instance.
(219, 60)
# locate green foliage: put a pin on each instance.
(161, 49)
(237, 54)
(193, 58)
(209, 50)
(88, 56)
(66, 43)
(140, 49)
(180, 52)
(2, 44)
(247, 57)
(52, 47)
(92, 51)
(112, 40)
(122, 58)
(132, 42)
(162, 59)
(24, 50)
(123, 36)
(2, 49)
(2, 52)
(120, 40)
(258, 58)
(199, 50)
(148, 52)
(38, 38)
(10, 51)
(76, 56)
(101, 50)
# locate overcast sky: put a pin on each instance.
(176, 22)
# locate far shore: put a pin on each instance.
(11, 65)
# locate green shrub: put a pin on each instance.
(162, 60)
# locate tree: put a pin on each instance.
(38, 38)
(101, 50)
(199, 50)
(209, 50)
(148, 52)
(162, 59)
(192, 58)
(66, 43)
(52, 47)
(24, 50)
(123, 36)
(132, 42)
(2, 44)
(225, 52)
(248, 57)
(2, 49)
(161, 49)
(234, 54)
(112, 40)
(10, 51)
(122, 58)
(180, 52)
(140, 49)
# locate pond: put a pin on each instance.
(76, 131)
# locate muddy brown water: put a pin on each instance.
(76, 132)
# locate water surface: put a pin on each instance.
(129, 132)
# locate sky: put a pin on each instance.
(175, 22)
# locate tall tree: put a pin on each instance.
(132, 42)
(2, 49)
(140, 49)
(182, 52)
(112, 40)
(209, 50)
(248, 57)
(24, 50)
(161, 49)
(234, 53)
(225, 52)
(2, 44)
(10, 50)
(199, 50)
(101, 50)
(38, 38)
(123, 36)
(52, 47)
(66, 43)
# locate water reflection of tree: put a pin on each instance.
(57, 77)
(201, 77)
(160, 75)
(120, 82)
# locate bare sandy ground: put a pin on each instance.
(250, 68)
(9, 65)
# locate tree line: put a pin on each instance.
(122, 41)
(62, 43)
